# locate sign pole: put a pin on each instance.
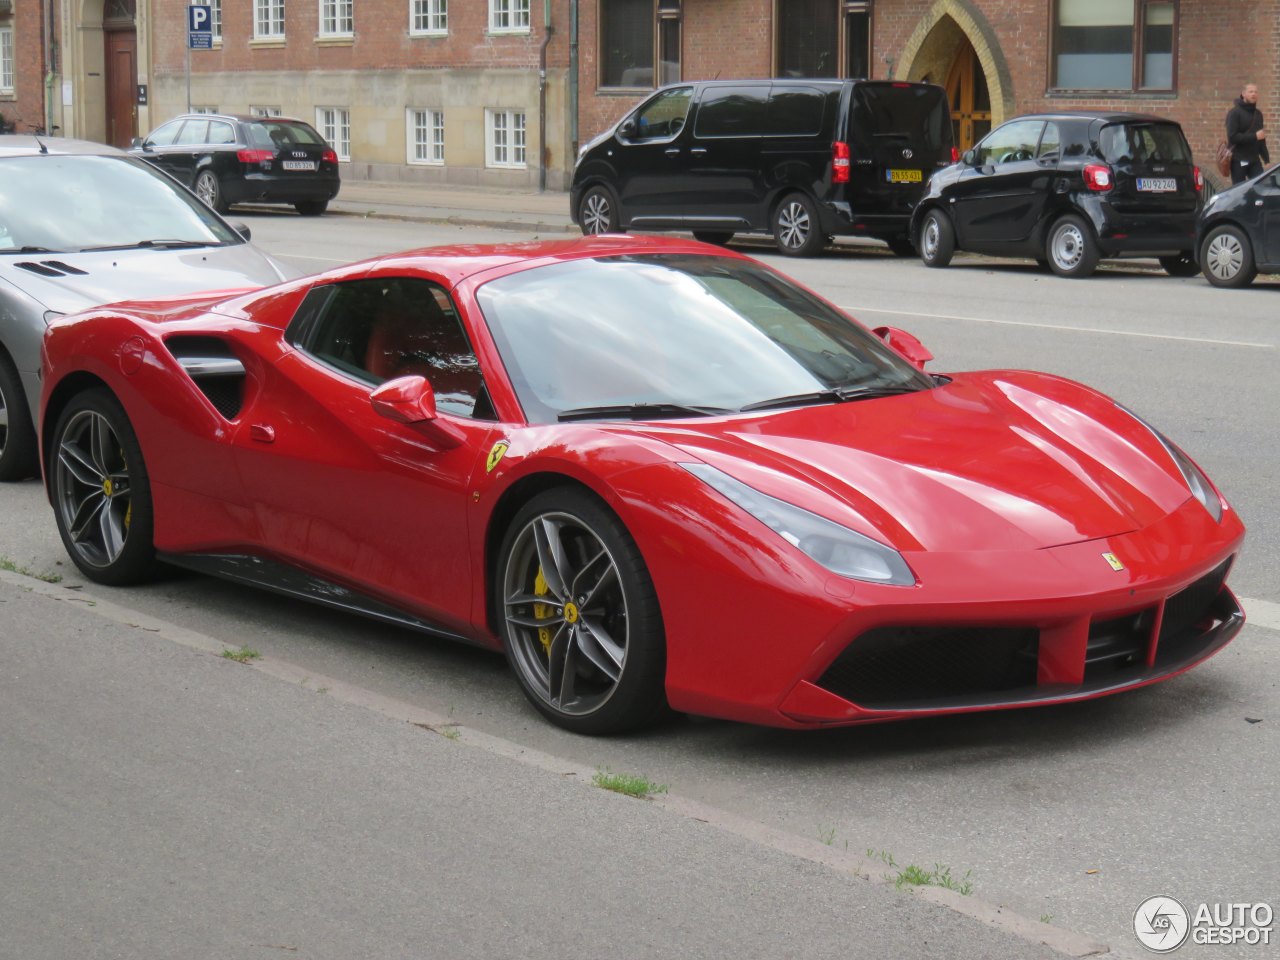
(188, 78)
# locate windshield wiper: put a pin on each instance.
(834, 395)
(639, 411)
(29, 249)
(155, 245)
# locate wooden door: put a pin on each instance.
(121, 77)
(970, 99)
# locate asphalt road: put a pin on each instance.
(1072, 814)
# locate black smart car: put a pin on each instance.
(1238, 234)
(802, 159)
(1067, 189)
(230, 158)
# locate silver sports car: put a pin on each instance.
(82, 224)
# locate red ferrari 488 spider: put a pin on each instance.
(657, 474)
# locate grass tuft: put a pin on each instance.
(243, 655)
(939, 876)
(631, 785)
(12, 567)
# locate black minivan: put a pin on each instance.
(802, 159)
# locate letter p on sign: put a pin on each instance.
(198, 18)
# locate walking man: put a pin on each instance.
(1246, 135)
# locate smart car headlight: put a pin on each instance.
(839, 549)
(1199, 484)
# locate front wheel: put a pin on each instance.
(597, 213)
(209, 190)
(796, 229)
(1179, 266)
(1227, 258)
(937, 239)
(101, 494)
(17, 432)
(1071, 249)
(579, 617)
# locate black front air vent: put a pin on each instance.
(1117, 645)
(51, 268)
(214, 368)
(1189, 613)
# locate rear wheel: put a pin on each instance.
(1180, 266)
(796, 228)
(311, 208)
(101, 494)
(1227, 258)
(937, 239)
(209, 190)
(579, 617)
(597, 213)
(17, 431)
(1071, 249)
(719, 238)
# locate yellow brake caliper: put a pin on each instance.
(543, 611)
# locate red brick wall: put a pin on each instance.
(25, 106)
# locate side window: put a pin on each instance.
(731, 111)
(194, 131)
(794, 112)
(1010, 143)
(663, 116)
(164, 135)
(220, 132)
(1050, 143)
(378, 330)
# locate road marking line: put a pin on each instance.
(1261, 613)
(1059, 326)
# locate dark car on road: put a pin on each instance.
(804, 160)
(1068, 189)
(231, 158)
(1238, 234)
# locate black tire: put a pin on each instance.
(311, 208)
(937, 241)
(598, 211)
(598, 665)
(901, 247)
(209, 189)
(101, 492)
(719, 238)
(1226, 257)
(1070, 248)
(1180, 266)
(18, 457)
(796, 228)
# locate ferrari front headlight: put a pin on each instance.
(841, 550)
(1197, 482)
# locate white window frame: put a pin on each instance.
(337, 18)
(428, 18)
(6, 59)
(264, 111)
(215, 18)
(268, 19)
(204, 109)
(509, 16)
(506, 133)
(424, 136)
(334, 124)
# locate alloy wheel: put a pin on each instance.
(793, 225)
(93, 492)
(596, 214)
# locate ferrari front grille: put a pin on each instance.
(1190, 613)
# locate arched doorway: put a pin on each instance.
(120, 71)
(970, 97)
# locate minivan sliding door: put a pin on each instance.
(723, 167)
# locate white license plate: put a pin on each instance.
(298, 164)
(1157, 184)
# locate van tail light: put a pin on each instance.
(1097, 177)
(1199, 179)
(839, 162)
(254, 156)
(955, 154)
(329, 156)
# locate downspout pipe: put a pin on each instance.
(573, 78)
(542, 104)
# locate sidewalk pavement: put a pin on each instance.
(462, 206)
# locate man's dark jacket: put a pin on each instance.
(1244, 120)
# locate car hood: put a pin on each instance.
(992, 461)
(69, 282)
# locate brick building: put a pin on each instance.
(501, 92)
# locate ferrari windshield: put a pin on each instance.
(62, 204)
(678, 335)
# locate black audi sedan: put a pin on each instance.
(1068, 189)
(1238, 234)
(231, 158)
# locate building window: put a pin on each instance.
(6, 59)
(506, 136)
(334, 124)
(335, 18)
(509, 16)
(264, 111)
(823, 38)
(204, 109)
(215, 18)
(629, 55)
(426, 136)
(1114, 44)
(429, 17)
(268, 19)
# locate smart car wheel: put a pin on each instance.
(1071, 249)
(1179, 266)
(579, 617)
(796, 228)
(597, 212)
(101, 496)
(17, 434)
(937, 239)
(210, 191)
(1226, 258)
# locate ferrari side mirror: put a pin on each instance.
(916, 353)
(411, 401)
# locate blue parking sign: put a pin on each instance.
(199, 18)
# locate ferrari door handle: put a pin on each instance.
(262, 433)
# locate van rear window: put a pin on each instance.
(1143, 142)
(917, 111)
